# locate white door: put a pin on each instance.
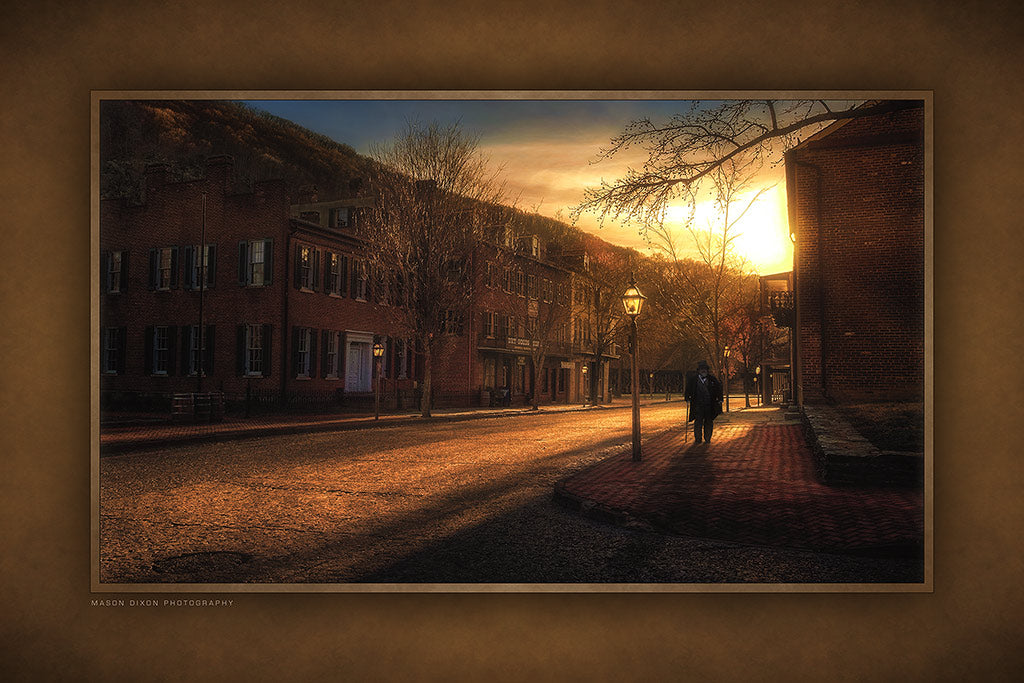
(357, 377)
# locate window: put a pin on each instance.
(307, 267)
(112, 351)
(255, 262)
(340, 217)
(331, 343)
(161, 350)
(545, 290)
(488, 324)
(506, 281)
(359, 280)
(531, 327)
(519, 283)
(303, 345)
(334, 279)
(199, 351)
(254, 345)
(489, 274)
(531, 286)
(502, 325)
(196, 267)
(114, 269)
(163, 268)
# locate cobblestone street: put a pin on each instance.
(467, 502)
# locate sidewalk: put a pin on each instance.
(755, 483)
(140, 434)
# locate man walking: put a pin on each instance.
(704, 393)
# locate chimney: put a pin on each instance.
(155, 176)
(218, 172)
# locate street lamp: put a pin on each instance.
(650, 384)
(725, 369)
(633, 303)
(378, 353)
(584, 370)
(757, 383)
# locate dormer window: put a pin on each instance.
(341, 217)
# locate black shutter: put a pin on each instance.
(240, 350)
(312, 353)
(211, 267)
(174, 268)
(104, 268)
(268, 264)
(190, 262)
(122, 344)
(208, 356)
(295, 351)
(355, 276)
(124, 271)
(147, 359)
(186, 348)
(267, 349)
(172, 356)
(243, 262)
(297, 268)
(323, 352)
(327, 272)
(315, 284)
(153, 256)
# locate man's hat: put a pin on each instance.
(702, 364)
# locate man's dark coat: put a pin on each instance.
(705, 400)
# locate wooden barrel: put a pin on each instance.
(181, 407)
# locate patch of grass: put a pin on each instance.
(889, 426)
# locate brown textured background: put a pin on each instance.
(55, 52)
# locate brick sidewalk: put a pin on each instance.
(754, 484)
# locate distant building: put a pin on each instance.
(856, 194)
(273, 301)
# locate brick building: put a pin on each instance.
(281, 303)
(856, 195)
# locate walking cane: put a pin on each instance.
(686, 427)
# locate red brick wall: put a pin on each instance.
(870, 272)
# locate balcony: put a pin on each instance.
(780, 305)
(519, 344)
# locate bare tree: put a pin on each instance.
(696, 144)
(438, 199)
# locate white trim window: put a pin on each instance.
(254, 350)
(334, 274)
(255, 262)
(114, 272)
(111, 350)
(199, 267)
(361, 280)
(195, 352)
(340, 217)
(161, 350)
(303, 353)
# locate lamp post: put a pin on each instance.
(584, 388)
(650, 384)
(378, 353)
(633, 302)
(757, 383)
(725, 371)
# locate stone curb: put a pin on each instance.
(351, 425)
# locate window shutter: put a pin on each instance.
(295, 351)
(343, 275)
(240, 350)
(243, 262)
(267, 349)
(211, 267)
(316, 270)
(124, 270)
(208, 356)
(190, 261)
(147, 359)
(174, 268)
(152, 268)
(327, 272)
(122, 344)
(172, 357)
(104, 268)
(186, 348)
(312, 353)
(268, 263)
(297, 269)
(323, 352)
